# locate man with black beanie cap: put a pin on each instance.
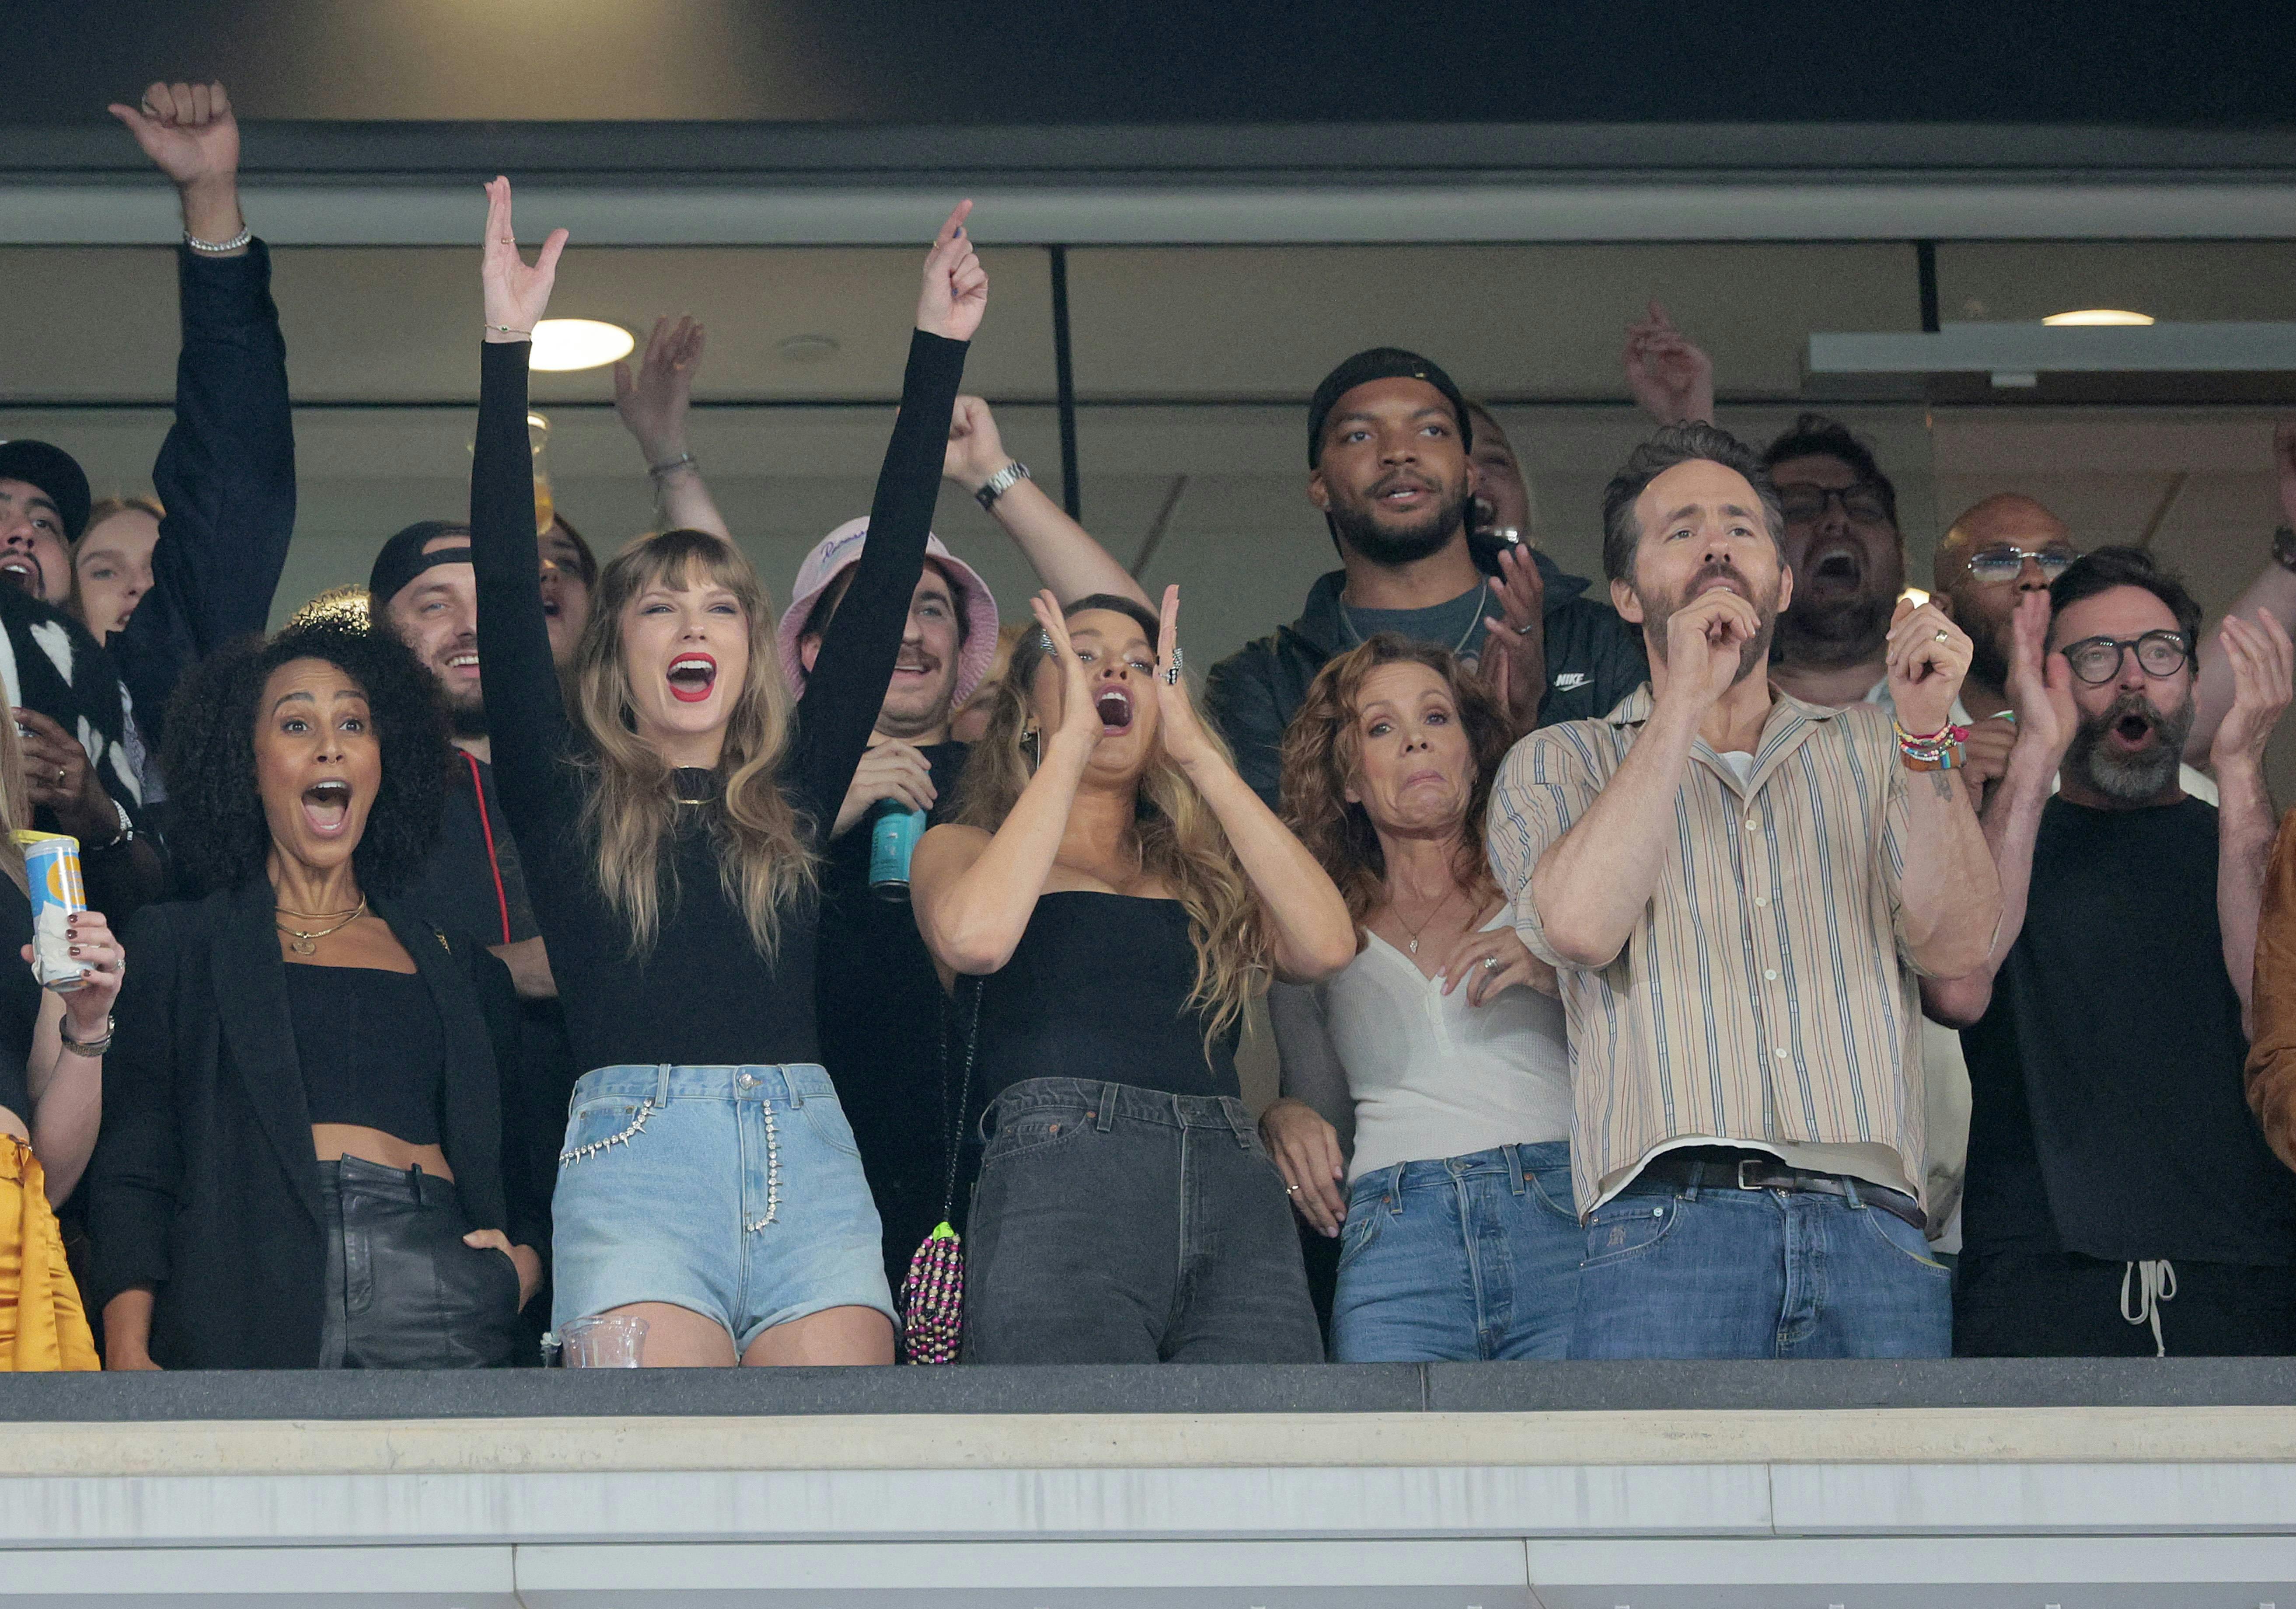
(1389, 439)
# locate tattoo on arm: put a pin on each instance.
(1942, 781)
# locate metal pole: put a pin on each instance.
(1064, 380)
(1925, 266)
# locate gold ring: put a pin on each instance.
(1944, 637)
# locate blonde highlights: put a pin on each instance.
(1181, 841)
(1323, 748)
(766, 860)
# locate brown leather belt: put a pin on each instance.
(1710, 1168)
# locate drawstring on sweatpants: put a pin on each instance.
(2156, 1283)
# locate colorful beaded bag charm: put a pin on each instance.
(933, 1296)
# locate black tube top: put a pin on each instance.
(1098, 988)
(373, 1050)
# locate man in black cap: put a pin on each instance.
(1389, 444)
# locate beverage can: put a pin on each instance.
(893, 839)
(52, 869)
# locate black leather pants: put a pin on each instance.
(403, 1291)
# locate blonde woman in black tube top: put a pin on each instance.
(1120, 891)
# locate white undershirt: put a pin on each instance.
(1431, 1075)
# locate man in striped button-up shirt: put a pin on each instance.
(1737, 889)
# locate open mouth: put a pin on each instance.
(327, 806)
(1403, 492)
(692, 676)
(915, 667)
(1836, 570)
(2133, 731)
(23, 570)
(463, 662)
(1113, 705)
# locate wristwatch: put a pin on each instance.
(91, 1047)
(1002, 482)
(127, 834)
(2284, 549)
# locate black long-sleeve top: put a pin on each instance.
(225, 476)
(703, 995)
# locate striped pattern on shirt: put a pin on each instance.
(1764, 994)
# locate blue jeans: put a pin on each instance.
(1460, 1259)
(1675, 1271)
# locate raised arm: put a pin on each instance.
(973, 892)
(515, 669)
(226, 473)
(2040, 691)
(652, 404)
(845, 687)
(1592, 887)
(1064, 554)
(1310, 934)
(2263, 662)
(1949, 895)
(1672, 378)
(2272, 594)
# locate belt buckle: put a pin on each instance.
(1743, 1164)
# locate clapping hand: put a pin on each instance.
(1513, 663)
(2040, 689)
(1079, 718)
(2263, 664)
(1928, 656)
(653, 403)
(517, 295)
(1186, 742)
(956, 286)
(1672, 378)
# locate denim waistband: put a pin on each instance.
(357, 1176)
(1109, 1101)
(1510, 1163)
(793, 1083)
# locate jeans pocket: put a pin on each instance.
(596, 1127)
(1361, 1230)
(1028, 1130)
(825, 1115)
(1629, 1227)
(1895, 1232)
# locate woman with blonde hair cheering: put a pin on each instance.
(709, 1185)
(1120, 891)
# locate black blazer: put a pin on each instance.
(204, 1184)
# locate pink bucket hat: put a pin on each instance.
(839, 552)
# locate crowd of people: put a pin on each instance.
(1754, 958)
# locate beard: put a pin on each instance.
(1836, 631)
(2137, 779)
(1988, 666)
(1361, 529)
(467, 717)
(1752, 653)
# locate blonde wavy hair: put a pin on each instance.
(1180, 840)
(766, 862)
(1323, 748)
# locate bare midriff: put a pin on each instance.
(332, 1140)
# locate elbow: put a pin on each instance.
(1325, 955)
(1954, 955)
(1578, 946)
(970, 950)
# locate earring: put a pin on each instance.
(1030, 744)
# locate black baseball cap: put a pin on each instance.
(1379, 362)
(56, 472)
(402, 558)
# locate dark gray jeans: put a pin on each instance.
(1119, 1225)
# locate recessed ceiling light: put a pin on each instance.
(579, 343)
(807, 348)
(2099, 315)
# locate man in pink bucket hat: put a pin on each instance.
(880, 1002)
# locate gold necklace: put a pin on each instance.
(1424, 921)
(307, 944)
(316, 916)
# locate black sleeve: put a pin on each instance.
(133, 1178)
(525, 712)
(1239, 697)
(846, 688)
(526, 1198)
(225, 476)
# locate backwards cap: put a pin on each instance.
(1379, 362)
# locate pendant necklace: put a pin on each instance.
(307, 944)
(1424, 921)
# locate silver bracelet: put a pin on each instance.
(92, 1049)
(683, 461)
(220, 247)
(1011, 475)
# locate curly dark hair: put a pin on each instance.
(1321, 752)
(220, 837)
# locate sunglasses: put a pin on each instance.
(2007, 563)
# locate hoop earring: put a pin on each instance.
(1033, 747)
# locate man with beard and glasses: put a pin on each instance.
(1390, 444)
(1738, 889)
(2120, 1198)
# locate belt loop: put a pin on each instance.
(1514, 1167)
(1697, 1178)
(1239, 1122)
(1849, 1193)
(789, 1087)
(1393, 1190)
(661, 1084)
(1107, 1108)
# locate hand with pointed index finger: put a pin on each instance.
(955, 285)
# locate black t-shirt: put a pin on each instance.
(880, 1020)
(20, 1000)
(2108, 1115)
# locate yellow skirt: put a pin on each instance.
(42, 1325)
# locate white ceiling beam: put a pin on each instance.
(381, 213)
(2034, 349)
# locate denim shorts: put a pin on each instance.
(735, 1192)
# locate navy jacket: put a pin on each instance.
(1594, 659)
(226, 476)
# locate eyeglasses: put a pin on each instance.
(2007, 563)
(1803, 500)
(2096, 660)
